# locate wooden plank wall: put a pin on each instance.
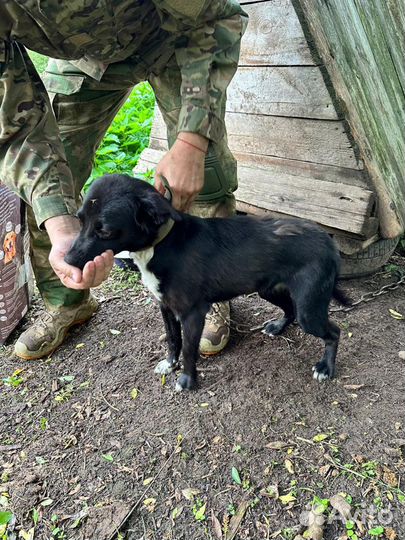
(362, 44)
(294, 155)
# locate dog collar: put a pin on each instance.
(163, 231)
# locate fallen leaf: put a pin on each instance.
(107, 457)
(75, 490)
(27, 535)
(150, 504)
(353, 386)
(236, 520)
(277, 445)
(134, 393)
(340, 504)
(147, 481)
(236, 476)
(390, 478)
(190, 493)
(287, 499)
(80, 345)
(320, 437)
(288, 464)
(46, 502)
(324, 470)
(395, 315)
(176, 512)
(115, 332)
(390, 533)
(216, 526)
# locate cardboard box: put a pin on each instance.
(15, 271)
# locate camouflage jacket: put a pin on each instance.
(92, 34)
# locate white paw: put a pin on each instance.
(178, 387)
(318, 376)
(266, 333)
(164, 368)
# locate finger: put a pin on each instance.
(108, 257)
(159, 185)
(89, 272)
(99, 276)
(68, 282)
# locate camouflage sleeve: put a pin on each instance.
(208, 35)
(32, 158)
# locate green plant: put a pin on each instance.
(120, 280)
(198, 509)
(127, 136)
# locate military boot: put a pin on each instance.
(216, 331)
(50, 329)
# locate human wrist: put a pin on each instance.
(194, 139)
(64, 225)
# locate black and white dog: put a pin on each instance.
(188, 263)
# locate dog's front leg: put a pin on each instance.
(173, 337)
(193, 324)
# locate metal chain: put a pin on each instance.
(367, 297)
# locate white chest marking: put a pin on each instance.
(141, 259)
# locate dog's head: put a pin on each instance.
(119, 213)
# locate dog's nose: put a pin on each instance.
(74, 259)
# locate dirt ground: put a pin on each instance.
(92, 433)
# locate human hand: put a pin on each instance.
(183, 168)
(62, 231)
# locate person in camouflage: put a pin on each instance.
(51, 128)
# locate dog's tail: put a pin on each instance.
(341, 296)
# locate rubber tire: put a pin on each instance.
(368, 261)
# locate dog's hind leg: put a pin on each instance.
(173, 337)
(312, 316)
(279, 296)
(325, 368)
(193, 325)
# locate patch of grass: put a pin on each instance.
(121, 280)
(127, 136)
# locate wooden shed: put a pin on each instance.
(316, 116)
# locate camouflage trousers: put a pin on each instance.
(84, 109)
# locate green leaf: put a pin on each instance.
(47, 502)
(287, 499)
(35, 516)
(108, 457)
(134, 393)
(236, 476)
(200, 513)
(376, 531)
(5, 517)
(320, 437)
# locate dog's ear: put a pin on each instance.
(154, 210)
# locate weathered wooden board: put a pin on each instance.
(284, 91)
(362, 45)
(318, 141)
(269, 186)
(274, 36)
